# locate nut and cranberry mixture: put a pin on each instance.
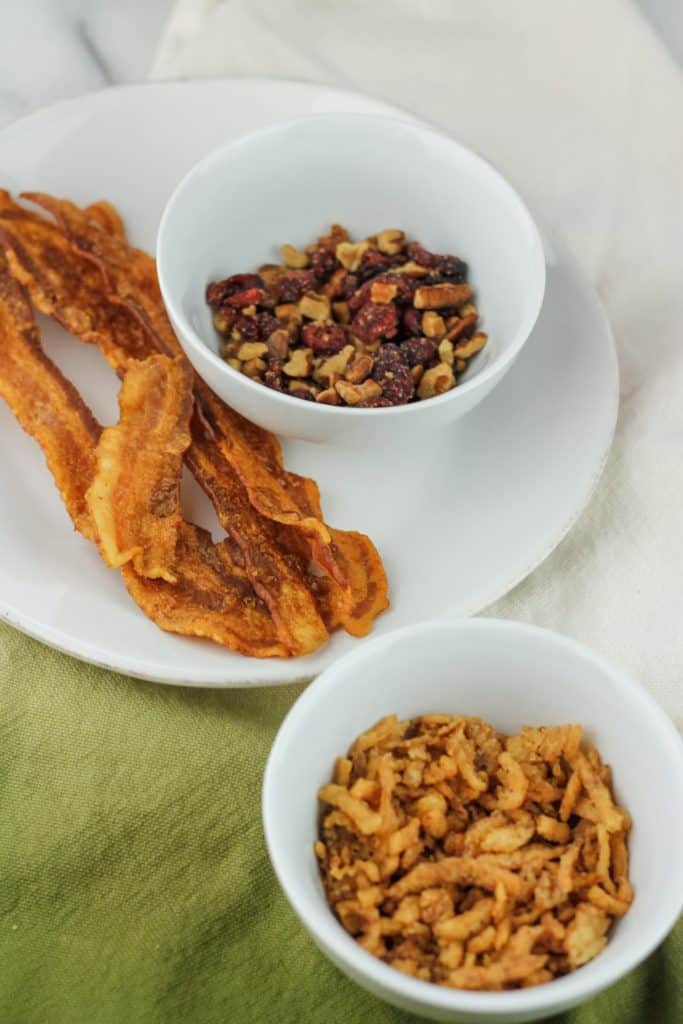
(364, 324)
(472, 859)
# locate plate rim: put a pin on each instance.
(165, 675)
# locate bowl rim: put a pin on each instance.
(553, 996)
(189, 335)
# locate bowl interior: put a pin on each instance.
(367, 172)
(510, 675)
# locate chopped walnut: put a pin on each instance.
(355, 393)
(390, 241)
(293, 258)
(466, 349)
(300, 363)
(335, 364)
(436, 381)
(251, 350)
(350, 254)
(314, 306)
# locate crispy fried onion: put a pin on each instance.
(445, 850)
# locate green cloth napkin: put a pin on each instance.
(135, 887)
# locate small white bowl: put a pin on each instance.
(509, 674)
(288, 183)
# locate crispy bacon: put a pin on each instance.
(134, 498)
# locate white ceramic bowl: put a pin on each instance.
(287, 184)
(511, 675)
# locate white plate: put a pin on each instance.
(458, 523)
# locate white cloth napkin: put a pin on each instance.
(582, 108)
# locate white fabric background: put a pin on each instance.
(581, 106)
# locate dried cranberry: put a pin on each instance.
(418, 253)
(412, 321)
(305, 395)
(418, 351)
(290, 287)
(323, 337)
(323, 262)
(450, 266)
(249, 297)
(219, 291)
(372, 263)
(389, 356)
(266, 325)
(274, 377)
(392, 374)
(247, 326)
(349, 286)
(375, 321)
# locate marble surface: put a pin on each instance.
(52, 49)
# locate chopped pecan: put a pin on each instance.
(373, 322)
(359, 369)
(458, 326)
(435, 296)
(323, 336)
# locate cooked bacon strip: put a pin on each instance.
(134, 498)
(105, 216)
(68, 287)
(279, 579)
(253, 454)
(131, 275)
(211, 598)
(46, 404)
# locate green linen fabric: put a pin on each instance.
(135, 887)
